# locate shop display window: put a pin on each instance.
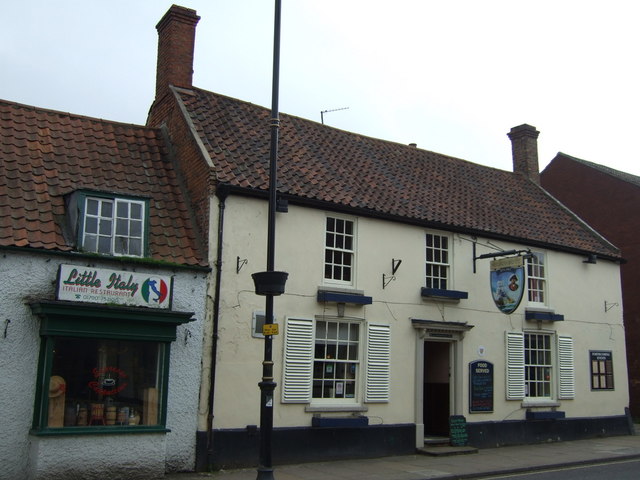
(103, 369)
(104, 382)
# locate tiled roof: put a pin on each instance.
(351, 171)
(45, 155)
(624, 176)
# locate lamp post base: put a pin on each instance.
(265, 473)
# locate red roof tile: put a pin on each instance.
(351, 171)
(45, 155)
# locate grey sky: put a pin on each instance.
(451, 76)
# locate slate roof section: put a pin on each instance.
(348, 171)
(46, 155)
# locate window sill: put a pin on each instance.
(343, 295)
(335, 408)
(545, 315)
(540, 403)
(99, 430)
(441, 294)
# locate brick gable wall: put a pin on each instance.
(610, 205)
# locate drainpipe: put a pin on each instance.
(222, 191)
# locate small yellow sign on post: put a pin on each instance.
(270, 329)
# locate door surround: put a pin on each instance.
(438, 331)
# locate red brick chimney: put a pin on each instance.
(524, 149)
(176, 40)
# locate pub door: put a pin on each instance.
(436, 388)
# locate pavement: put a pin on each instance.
(485, 462)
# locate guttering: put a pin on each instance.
(222, 191)
(144, 261)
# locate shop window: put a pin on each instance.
(104, 382)
(103, 369)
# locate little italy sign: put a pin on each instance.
(101, 285)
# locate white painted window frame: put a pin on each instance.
(299, 344)
(114, 234)
(563, 367)
(440, 265)
(537, 280)
(344, 251)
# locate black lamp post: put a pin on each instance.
(270, 283)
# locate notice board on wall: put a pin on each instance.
(480, 387)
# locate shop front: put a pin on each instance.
(115, 382)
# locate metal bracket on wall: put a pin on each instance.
(395, 264)
(240, 264)
(608, 306)
(386, 280)
(527, 253)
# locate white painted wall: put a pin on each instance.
(32, 277)
(577, 291)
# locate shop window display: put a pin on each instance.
(104, 382)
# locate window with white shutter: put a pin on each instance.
(378, 363)
(323, 359)
(531, 366)
(298, 361)
(515, 365)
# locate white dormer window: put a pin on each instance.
(113, 226)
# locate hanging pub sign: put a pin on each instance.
(102, 285)
(507, 283)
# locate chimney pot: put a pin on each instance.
(524, 149)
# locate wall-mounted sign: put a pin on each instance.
(101, 285)
(480, 387)
(507, 283)
(270, 329)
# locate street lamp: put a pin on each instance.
(270, 283)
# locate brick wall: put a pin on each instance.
(610, 205)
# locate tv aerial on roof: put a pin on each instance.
(327, 111)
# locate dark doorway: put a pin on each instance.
(436, 390)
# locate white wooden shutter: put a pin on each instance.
(566, 368)
(298, 361)
(378, 363)
(515, 365)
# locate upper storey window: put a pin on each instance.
(113, 226)
(437, 262)
(536, 278)
(339, 251)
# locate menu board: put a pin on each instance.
(480, 387)
(458, 436)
